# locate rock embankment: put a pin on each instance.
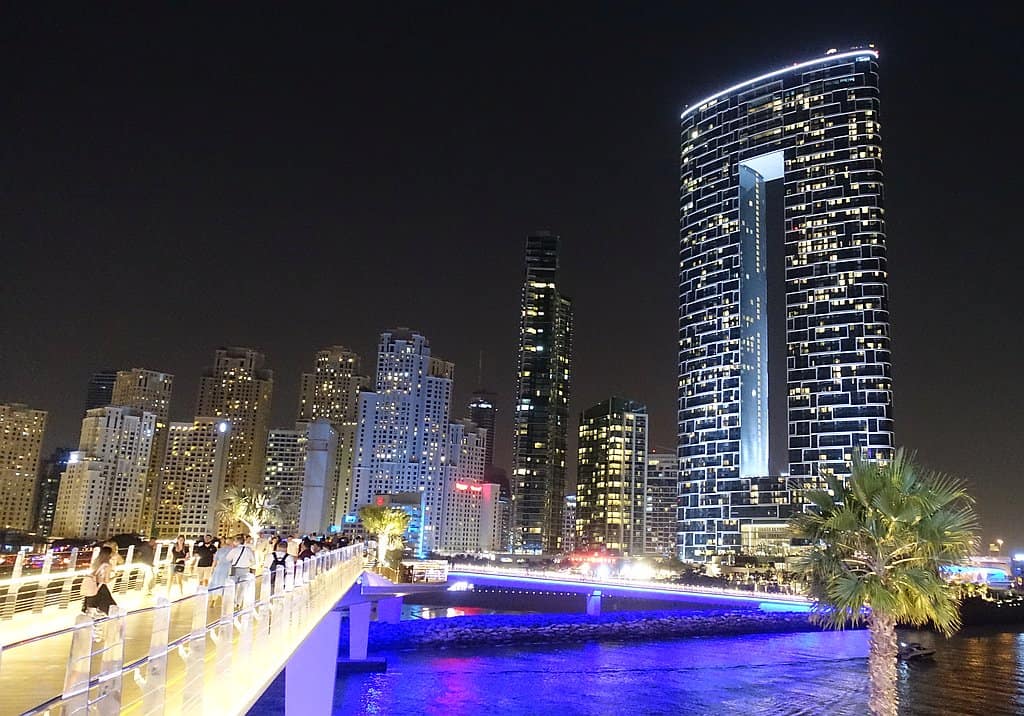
(561, 628)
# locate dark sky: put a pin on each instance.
(259, 175)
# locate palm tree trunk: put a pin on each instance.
(883, 699)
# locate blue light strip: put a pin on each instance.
(798, 66)
(534, 582)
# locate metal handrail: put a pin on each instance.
(282, 615)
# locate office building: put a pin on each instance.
(784, 363)
(300, 467)
(472, 518)
(21, 441)
(192, 479)
(102, 489)
(331, 392)
(148, 390)
(238, 389)
(660, 504)
(101, 389)
(569, 531)
(483, 411)
(402, 441)
(611, 476)
(47, 489)
(541, 419)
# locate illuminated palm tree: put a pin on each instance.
(254, 509)
(388, 523)
(878, 543)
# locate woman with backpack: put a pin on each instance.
(94, 585)
(279, 558)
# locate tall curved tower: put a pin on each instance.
(813, 128)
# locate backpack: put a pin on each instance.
(283, 562)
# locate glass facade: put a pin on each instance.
(541, 419)
(815, 128)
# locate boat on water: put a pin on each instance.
(914, 651)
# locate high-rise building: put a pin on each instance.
(21, 441)
(192, 478)
(300, 467)
(101, 491)
(569, 522)
(660, 504)
(402, 442)
(819, 238)
(101, 389)
(611, 476)
(47, 489)
(148, 390)
(331, 392)
(483, 410)
(472, 518)
(541, 419)
(238, 389)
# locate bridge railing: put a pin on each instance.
(214, 651)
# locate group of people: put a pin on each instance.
(213, 562)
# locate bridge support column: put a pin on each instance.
(358, 631)
(310, 674)
(594, 604)
(390, 610)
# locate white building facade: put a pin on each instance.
(102, 491)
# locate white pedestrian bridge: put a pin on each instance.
(168, 651)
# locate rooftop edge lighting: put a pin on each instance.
(797, 66)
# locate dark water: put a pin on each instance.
(976, 672)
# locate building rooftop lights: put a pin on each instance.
(831, 55)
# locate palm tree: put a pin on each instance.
(388, 523)
(878, 542)
(253, 509)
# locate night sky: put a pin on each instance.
(254, 175)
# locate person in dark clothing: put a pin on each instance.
(179, 555)
(204, 550)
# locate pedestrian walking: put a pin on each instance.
(242, 558)
(95, 585)
(204, 550)
(221, 567)
(179, 555)
(279, 558)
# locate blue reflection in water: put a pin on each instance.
(975, 672)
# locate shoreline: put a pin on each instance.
(514, 629)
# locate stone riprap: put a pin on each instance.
(561, 628)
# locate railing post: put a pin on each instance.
(225, 627)
(127, 576)
(44, 582)
(75, 697)
(11, 604)
(261, 615)
(154, 685)
(248, 587)
(111, 663)
(193, 653)
(69, 579)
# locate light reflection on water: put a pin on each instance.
(976, 672)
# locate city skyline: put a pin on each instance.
(600, 170)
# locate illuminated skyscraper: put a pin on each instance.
(331, 392)
(483, 411)
(21, 441)
(814, 128)
(148, 390)
(192, 478)
(541, 420)
(101, 389)
(611, 476)
(402, 443)
(47, 489)
(660, 519)
(300, 466)
(238, 388)
(101, 490)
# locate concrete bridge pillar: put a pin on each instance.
(594, 604)
(390, 610)
(310, 674)
(358, 631)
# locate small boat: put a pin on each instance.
(914, 652)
